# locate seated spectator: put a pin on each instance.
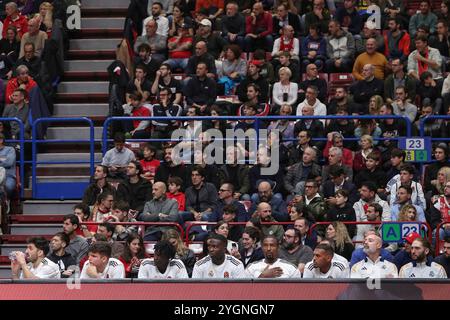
(367, 147)
(425, 16)
(31, 61)
(287, 43)
(283, 18)
(263, 213)
(101, 265)
(398, 76)
(214, 43)
(340, 48)
(14, 18)
(408, 212)
(299, 172)
(214, 8)
(293, 251)
(390, 128)
(370, 128)
(139, 84)
(138, 189)
(342, 100)
(315, 205)
(162, 129)
(133, 255)
(342, 210)
(368, 32)
(201, 54)
(420, 267)
(424, 58)
(251, 250)
(161, 22)
(146, 59)
(163, 265)
(223, 228)
(33, 264)
(199, 159)
(78, 246)
(180, 48)
(286, 61)
(349, 17)
(368, 196)
(322, 266)
(182, 252)
(336, 140)
(284, 91)
(440, 42)
(156, 41)
(370, 57)
(396, 41)
(175, 184)
(137, 129)
(217, 264)
(406, 179)
(313, 79)
(235, 173)
(285, 127)
(309, 239)
(303, 142)
(45, 16)
(23, 80)
(66, 263)
(233, 25)
(429, 92)
(338, 235)
(200, 90)
(102, 209)
(443, 259)
(35, 36)
(18, 107)
(118, 158)
(259, 29)
(319, 15)
(266, 194)
(226, 199)
(362, 90)
(8, 162)
(180, 20)
(375, 104)
(159, 209)
(441, 154)
(253, 78)
(232, 70)
(311, 100)
(272, 266)
(372, 172)
(376, 267)
(149, 163)
(437, 190)
(9, 51)
(335, 159)
(314, 50)
(165, 79)
(338, 182)
(98, 185)
(169, 168)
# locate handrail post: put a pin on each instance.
(105, 135)
(33, 157)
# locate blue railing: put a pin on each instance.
(432, 117)
(34, 143)
(257, 119)
(21, 142)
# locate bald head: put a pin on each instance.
(264, 211)
(368, 71)
(159, 190)
(151, 26)
(371, 46)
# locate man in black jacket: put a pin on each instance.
(169, 169)
(233, 25)
(139, 189)
(370, 86)
(200, 90)
(201, 55)
(58, 254)
(283, 18)
(253, 76)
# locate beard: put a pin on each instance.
(288, 246)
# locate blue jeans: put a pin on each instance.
(10, 186)
(253, 44)
(255, 197)
(239, 41)
(177, 64)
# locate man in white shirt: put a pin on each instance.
(100, 265)
(373, 266)
(311, 100)
(163, 22)
(33, 264)
(420, 267)
(323, 267)
(217, 264)
(163, 265)
(271, 266)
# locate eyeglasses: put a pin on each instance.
(223, 190)
(310, 186)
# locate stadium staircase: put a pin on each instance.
(83, 92)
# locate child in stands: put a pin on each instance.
(149, 163)
(175, 184)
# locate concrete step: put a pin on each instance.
(94, 44)
(6, 249)
(86, 65)
(83, 87)
(85, 110)
(82, 98)
(108, 54)
(61, 179)
(48, 206)
(63, 169)
(102, 23)
(73, 133)
(35, 229)
(66, 156)
(94, 4)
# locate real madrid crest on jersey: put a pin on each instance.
(431, 274)
(226, 274)
(211, 273)
(271, 232)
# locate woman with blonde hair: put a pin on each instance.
(407, 213)
(182, 252)
(367, 146)
(45, 16)
(375, 104)
(337, 234)
(443, 176)
(284, 91)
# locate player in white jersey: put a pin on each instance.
(271, 266)
(163, 265)
(323, 266)
(373, 266)
(100, 265)
(419, 267)
(33, 264)
(217, 264)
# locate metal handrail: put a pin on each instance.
(22, 150)
(438, 237)
(238, 118)
(34, 141)
(422, 124)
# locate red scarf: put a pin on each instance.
(445, 210)
(422, 65)
(286, 47)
